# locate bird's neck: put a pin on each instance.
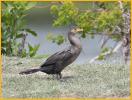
(74, 40)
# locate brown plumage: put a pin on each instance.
(58, 61)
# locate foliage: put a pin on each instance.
(65, 14)
(109, 20)
(59, 39)
(98, 18)
(33, 50)
(101, 55)
(85, 21)
(13, 26)
(91, 22)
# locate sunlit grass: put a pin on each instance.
(87, 80)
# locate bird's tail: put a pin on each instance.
(29, 71)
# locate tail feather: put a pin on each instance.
(30, 71)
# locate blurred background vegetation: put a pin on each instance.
(108, 20)
(13, 28)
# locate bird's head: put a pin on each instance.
(76, 30)
(73, 38)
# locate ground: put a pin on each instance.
(80, 81)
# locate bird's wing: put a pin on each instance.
(62, 55)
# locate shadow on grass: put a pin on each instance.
(63, 79)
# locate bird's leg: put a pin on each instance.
(53, 76)
(59, 76)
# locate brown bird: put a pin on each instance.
(58, 61)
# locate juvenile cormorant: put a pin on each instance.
(58, 61)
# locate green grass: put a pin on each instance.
(80, 81)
